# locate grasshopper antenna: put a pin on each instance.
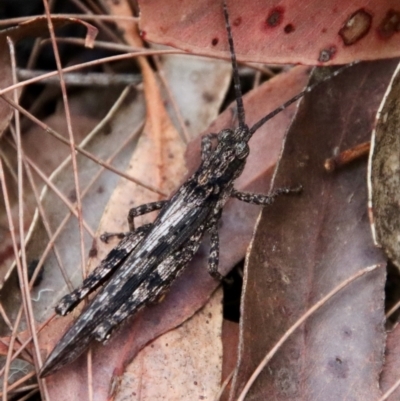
(273, 113)
(238, 91)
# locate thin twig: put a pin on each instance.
(30, 394)
(98, 44)
(21, 263)
(224, 385)
(81, 79)
(84, 17)
(392, 310)
(390, 391)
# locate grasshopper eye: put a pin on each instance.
(242, 150)
(224, 135)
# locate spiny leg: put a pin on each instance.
(134, 212)
(103, 270)
(257, 199)
(213, 259)
(153, 287)
(143, 209)
(264, 200)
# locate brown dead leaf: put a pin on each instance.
(308, 32)
(230, 341)
(384, 173)
(202, 84)
(184, 363)
(306, 245)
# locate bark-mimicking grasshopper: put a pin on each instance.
(148, 259)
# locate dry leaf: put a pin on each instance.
(384, 173)
(304, 246)
(307, 32)
(183, 363)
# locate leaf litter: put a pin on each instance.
(205, 286)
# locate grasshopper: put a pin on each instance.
(142, 267)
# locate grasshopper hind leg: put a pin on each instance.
(103, 270)
(128, 243)
(153, 287)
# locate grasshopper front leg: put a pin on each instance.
(134, 212)
(264, 200)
